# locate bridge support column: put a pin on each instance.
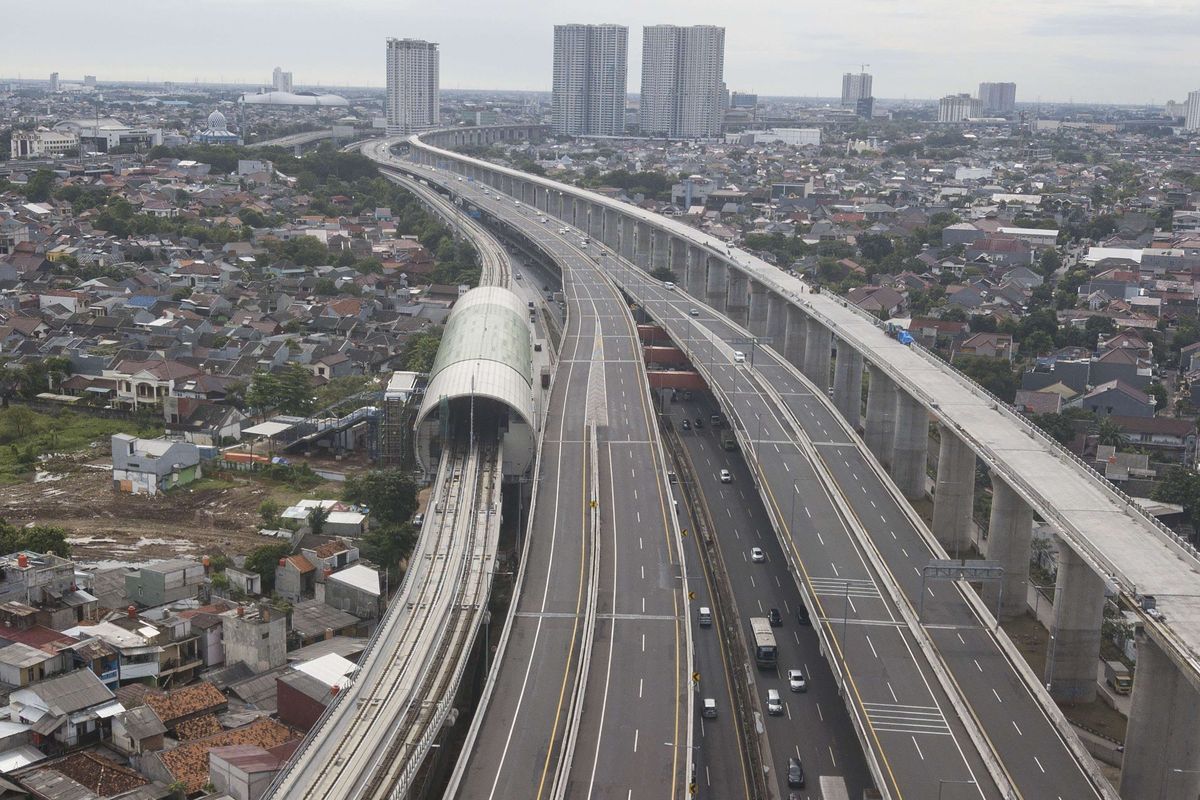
(910, 450)
(737, 298)
(847, 382)
(595, 227)
(579, 218)
(880, 427)
(612, 230)
(628, 237)
(660, 256)
(954, 498)
(757, 318)
(794, 336)
(715, 283)
(777, 321)
(642, 252)
(678, 249)
(1009, 532)
(1075, 634)
(694, 279)
(817, 346)
(1162, 741)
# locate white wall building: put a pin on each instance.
(413, 99)
(997, 98)
(281, 81)
(797, 137)
(1192, 108)
(682, 72)
(855, 87)
(588, 96)
(42, 143)
(958, 107)
(107, 133)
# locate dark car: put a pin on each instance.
(795, 774)
(802, 615)
(774, 617)
(699, 422)
(687, 426)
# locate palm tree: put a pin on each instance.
(316, 519)
(1109, 432)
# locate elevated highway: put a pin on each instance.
(1105, 538)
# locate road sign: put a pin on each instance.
(695, 677)
(691, 595)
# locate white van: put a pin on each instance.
(774, 703)
(710, 708)
(670, 287)
(739, 357)
(704, 616)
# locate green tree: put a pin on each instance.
(37, 539)
(287, 391)
(37, 190)
(1181, 485)
(264, 559)
(1159, 393)
(1110, 433)
(16, 423)
(994, 374)
(391, 495)
(420, 351)
(663, 274)
(388, 545)
(1058, 426)
(875, 247)
(317, 516)
(269, 511)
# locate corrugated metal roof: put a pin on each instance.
(485, 351)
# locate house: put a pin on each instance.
(881, 300)
(85, 775)
(162, 582)
(255, 636)
(148, 466)
(137, 731)
(202, 422)
(66, 711)
(295, 578)
(1034, 402)
(988, 345)
(335, 365)
(1000, 252)
(188, 763)
(308, 687)
(141, 383)
(1168, 438)
(180, 706)
(1118, 398)
(243, 772)
(356, 589)
(314, 621)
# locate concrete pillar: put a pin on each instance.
(612, 230)
(880, 426)
(1075, 635)
(757, 318)
(1009, 532)
(694, 280)
(1162, 740)
(715, 283)
(737, 298)
(678, 249)
(847, 382)
(817, 345)
(910, 450)
(627, 238)
(776, 321)
(642, 237)
(660, 255)
(954, 499)
(595, 221)
(580, 214)
(794, 336)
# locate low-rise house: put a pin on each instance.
(1168, 438)
(1118, 398)
(188, 763)
(988, 345)
(185, 704)
(243, 772)
(137, 731)
(86, 775)
(162, 582)
(314, 621)
(69, 710)
(295, 578)
(255, 636)
(357, 589)
(149, 466)
(307, 689)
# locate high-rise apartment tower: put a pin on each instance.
(998, 98)
(682, 74)
(855, 87)
(588, 96)
(413, 100)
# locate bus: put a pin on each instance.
(764, 642)
(833, 787)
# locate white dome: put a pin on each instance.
(216, 121)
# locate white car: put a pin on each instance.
(726, 477)
(774, 703)
(796, 681)
(757, 555)
(695, 312)
(739, 357)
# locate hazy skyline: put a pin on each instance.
(1132, 51)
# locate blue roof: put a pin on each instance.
(141, 301)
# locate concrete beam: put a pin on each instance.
(847, 382)
(1009, 532)
(757, 318)
(794, 336)
(880, 427)
(954, 498)
(737, 298)
(910, 450)
(1075, 635)
(1162, 740)
(818, 344)
(716, 283)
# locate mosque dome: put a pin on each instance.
(216, 122)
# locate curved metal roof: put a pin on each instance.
(485, 351)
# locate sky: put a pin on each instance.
(1107, 51)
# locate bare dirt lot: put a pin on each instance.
(106, 526)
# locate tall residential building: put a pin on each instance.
(958, 107)
(1191, 120)
(855, 86)
(590, 83)
(682, 75)
(998, 98)
(413, 100)
(54, 81)
(89, 81)
(281, 81)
